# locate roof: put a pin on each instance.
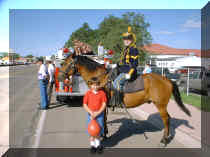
(166, 50)
(22, 59)
(5, 58)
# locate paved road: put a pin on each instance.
(24, 96)
(63, 126)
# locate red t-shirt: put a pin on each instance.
(94, 101)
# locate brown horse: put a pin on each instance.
(157, 88)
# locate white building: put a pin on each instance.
(171, 58)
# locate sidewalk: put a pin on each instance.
(4, 110)
(187, 129)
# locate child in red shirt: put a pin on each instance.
(94, 103)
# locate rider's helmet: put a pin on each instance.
(129, 35)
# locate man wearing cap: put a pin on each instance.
(128, 60)
(51, 71)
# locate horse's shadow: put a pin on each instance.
(128, 128)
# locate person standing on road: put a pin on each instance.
(43, 81)
(51, 71)
(94, 103)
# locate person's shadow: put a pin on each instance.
(128, 128)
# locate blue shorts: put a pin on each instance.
(100, 120)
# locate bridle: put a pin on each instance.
(70, 66)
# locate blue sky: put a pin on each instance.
(42, 31)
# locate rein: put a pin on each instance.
(67, 69)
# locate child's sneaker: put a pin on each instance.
(100, 149)
(92, 150)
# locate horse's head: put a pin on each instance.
(68, 68)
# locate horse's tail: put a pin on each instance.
(178, 98)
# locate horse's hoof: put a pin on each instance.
(112, 109)
(162, 145)
(164, 141)
(145, 136)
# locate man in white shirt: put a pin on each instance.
(43, 81)
(51, 71)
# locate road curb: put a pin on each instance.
(181, 136)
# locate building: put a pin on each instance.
(21, 60)
(172, 58)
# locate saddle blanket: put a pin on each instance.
(137, 85)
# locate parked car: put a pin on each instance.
(198, 80)
(165, 71)
(1, 62)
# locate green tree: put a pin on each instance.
(15, 56)
(5, 54)
(84, 34)
(53, 57)
(29, 56)
(110, 34)
(40, 57)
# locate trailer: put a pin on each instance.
(73, 87)
(77, 88)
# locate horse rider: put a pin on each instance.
(128, 60)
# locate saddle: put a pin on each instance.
(129, 87)
(134, 86)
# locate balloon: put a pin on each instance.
(93, 128)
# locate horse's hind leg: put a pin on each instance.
(166, 121)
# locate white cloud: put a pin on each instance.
(165, 32)
(192, 23)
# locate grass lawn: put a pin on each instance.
(196, 100)
(191, 99)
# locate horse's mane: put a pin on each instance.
(88, 63)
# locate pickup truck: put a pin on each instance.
(198, 80)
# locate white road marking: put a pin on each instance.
(39, 129)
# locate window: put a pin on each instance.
(195, 75)
(208, 74)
